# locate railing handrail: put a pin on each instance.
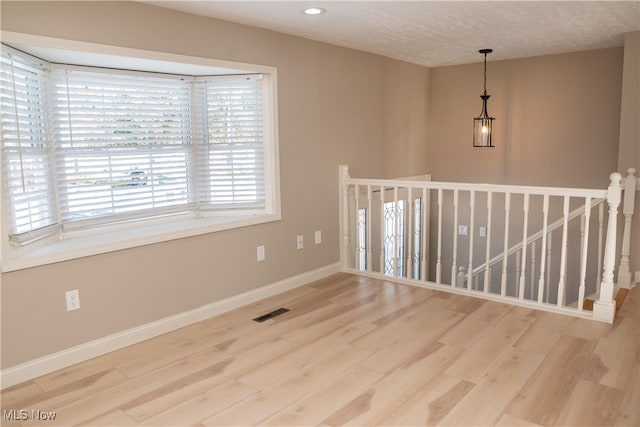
(496, 188)
(536, 236)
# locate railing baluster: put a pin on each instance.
(584, 252)
(358, 249)
(409, 230)
(472, 202)
(563, 253)
(454, 259)
(382, 237)
(369, 237)
(518, 269)
(423, 236)
(543, 265)
(525, 226)
(533, 270)
(549, 247)
(439, 256)
(507, 207)
(396, 228)
(600, 230)
(487, 271)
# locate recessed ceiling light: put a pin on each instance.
(314, 11)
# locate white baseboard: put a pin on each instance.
(62, 359)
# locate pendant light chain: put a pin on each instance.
(485, 73)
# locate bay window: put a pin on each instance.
(87, 149)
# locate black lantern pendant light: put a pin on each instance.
(483, 125)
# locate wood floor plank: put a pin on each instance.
(464, 334)
(538, 338)
(367, 287)
(71, 392)
(431, 403)
(271, 372)
(170, 354)
(486, 403)
(415, 318)
(236, 343)
(143, 388)
(231, 369)
(255, 309)
(585, 329)
(507, 420)
(76, 372)
(21, 395)
(484, 353)
(615, 354)
(413, 342)
(201, 407)
(111, 419)
(629, 411)
(256, 409)
(312, 409)
(590, 404)
(542, 399)
(369, 310)
(372, 406)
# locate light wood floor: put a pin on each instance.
(358, 351)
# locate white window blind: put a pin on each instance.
(26, 172)
(232, 173)
(84, 147)
(123, 145)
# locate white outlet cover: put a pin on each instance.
(463, 230)
(318, 237)
(260, 253)
(300, 241)
(73, 300)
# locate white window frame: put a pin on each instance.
(92, 241)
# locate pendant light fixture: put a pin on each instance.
(483, 125)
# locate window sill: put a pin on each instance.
(124, 238)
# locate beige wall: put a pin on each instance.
(629, 154)
(333, 109)
(557, 120)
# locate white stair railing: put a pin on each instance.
(394, 237)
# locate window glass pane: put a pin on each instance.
(26, 168)
(233, 173)
(123, 144)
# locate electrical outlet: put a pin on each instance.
(483, 231)
(300, 241)
(463, 230)
(73, 300)
(260, 253)
(318, 237)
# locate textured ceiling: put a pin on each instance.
(437, 33)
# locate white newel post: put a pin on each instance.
(604, 309)
(624, 272)
(344, 215)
